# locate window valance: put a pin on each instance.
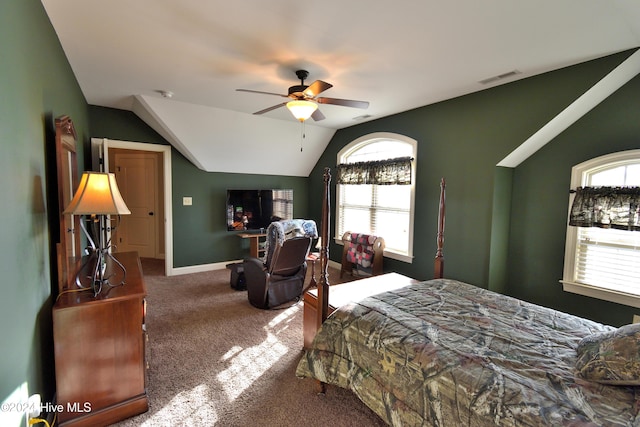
(606, 207)
(380, 172)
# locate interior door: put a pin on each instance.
(68, 247)
(137, 177)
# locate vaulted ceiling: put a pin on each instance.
(396, 55)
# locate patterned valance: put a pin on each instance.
(380, 172)
(606, 207)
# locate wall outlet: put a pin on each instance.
(33, 406)
(187, 201)
(636, 318)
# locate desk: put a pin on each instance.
(345, 293)
(254, 243)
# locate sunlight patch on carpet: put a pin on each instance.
(286, 316)
(247, 365)
(200, 411)
(232, 352)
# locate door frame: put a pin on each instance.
(100, 149)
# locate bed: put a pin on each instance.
(444, 353)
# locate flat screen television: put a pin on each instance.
(254, 210)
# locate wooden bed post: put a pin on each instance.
(323, 285)
(439, 261)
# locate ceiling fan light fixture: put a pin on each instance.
(302, 109)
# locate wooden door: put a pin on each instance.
(137, 177)
(68, 247)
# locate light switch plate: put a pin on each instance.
(187, 201)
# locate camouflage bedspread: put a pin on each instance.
(445, 353)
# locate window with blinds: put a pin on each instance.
(609, 259)
(381, 210)
(603, 262)
(283, 203)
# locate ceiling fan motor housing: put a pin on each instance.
(297, 91)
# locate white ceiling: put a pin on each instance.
(396, 55)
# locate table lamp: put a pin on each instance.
(97, 197)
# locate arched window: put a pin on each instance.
(604, 263)
(381, 210)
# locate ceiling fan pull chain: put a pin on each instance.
(302, 134)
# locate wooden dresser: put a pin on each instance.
(344, 293)
(99, 347)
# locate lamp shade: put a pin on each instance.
(301, 109)
(98, 194)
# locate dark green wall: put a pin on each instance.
(540, 204)
(36, 85)
(462, 140)
(501, 221)
(200, 233)
(121, 125)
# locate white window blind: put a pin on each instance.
(609, 259)
(283, 203)
(381, 210)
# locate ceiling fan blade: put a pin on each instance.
(261, 92)
(266, 110)
(316, 88)
(343, 102)
(317, 115)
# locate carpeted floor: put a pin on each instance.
(217, 361)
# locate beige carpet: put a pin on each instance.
(217, 361)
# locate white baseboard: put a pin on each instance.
(177, 271)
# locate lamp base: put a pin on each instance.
(94, 273)
(98, 270)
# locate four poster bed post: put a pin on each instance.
(323, 285)
(438, 267)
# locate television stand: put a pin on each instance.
(256, 243)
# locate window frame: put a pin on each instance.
(579, 178)
(359, 143)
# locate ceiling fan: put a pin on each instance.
(304, 99)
